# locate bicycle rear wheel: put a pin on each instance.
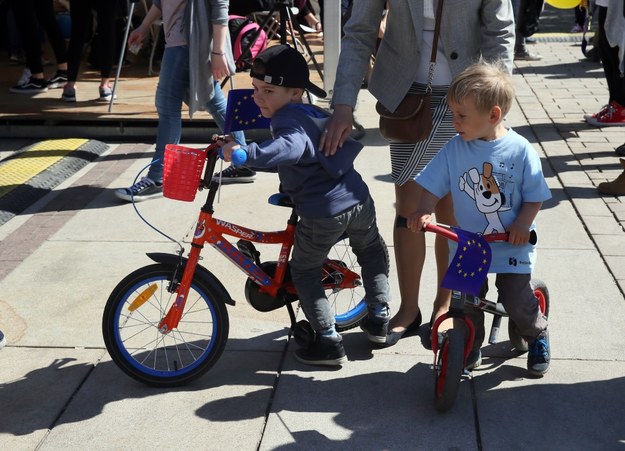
(448, 371)
(130, 328)
(542, 295)
(349, 304)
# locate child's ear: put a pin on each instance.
(495, 115)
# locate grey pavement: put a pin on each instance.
(60, 260)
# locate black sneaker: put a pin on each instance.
(144, 189)
(32, 86)
(375, 328)
(235, 174)
(539, 355)
(58, 80)
(322, 351)
(3, 340)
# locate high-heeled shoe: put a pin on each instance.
(393, 337)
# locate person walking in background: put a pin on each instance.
(611, 44)
(80, 14)
(31, 16)
(192, 62)
(526, 14)
(484, 29)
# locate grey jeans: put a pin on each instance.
(516, 295)
(315, 237)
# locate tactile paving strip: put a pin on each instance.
(30, 174)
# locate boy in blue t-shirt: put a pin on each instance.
(495, 178)
(329, 195)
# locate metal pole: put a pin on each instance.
(123, 52)
(331, 43)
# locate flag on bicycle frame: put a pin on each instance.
(242, 113)
(469, 267)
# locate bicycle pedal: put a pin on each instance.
(249, 250)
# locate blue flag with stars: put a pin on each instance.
(469, 267)
(242, 113)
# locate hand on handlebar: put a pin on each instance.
(417, 221)
(231, 151)
(518, 234)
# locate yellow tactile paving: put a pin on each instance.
(38, 158)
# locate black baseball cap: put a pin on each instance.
(282, 65)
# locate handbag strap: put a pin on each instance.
(437, 30)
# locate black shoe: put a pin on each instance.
(375, 327)
(620, 150)
(235, 174)
(593, 55)
(144, 189)
(325, 352)
(58, 80)
(539, 355)
(32, 86)
(393, 337)
(474, 360)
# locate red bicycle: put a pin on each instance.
(167, 324)
(452, 346)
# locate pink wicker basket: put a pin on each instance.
(182, 172)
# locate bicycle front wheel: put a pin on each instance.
(130, 326)
(449, 367)
(348, 304)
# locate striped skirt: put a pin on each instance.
(408, 159)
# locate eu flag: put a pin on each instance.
(242, 113)
(469, 267)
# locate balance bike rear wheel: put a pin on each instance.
(448, 371)
(542, 295)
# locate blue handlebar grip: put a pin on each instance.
(238, 157)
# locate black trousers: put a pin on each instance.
(610, 62)
(29, 16)
(80, 13)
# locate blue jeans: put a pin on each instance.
(173, 84)
(314, 237)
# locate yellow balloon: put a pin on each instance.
(564, 4)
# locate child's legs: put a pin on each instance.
(517, 297)
(313, 240)
(173, 83)
(365, 240)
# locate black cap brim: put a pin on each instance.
(316, 91)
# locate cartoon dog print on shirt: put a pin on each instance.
(489, 200)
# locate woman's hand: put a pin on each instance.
(338, 129)
(219, 66)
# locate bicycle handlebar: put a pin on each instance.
(448, 233)
(238, 157)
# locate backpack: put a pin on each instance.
(242, 30)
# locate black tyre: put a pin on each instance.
(349, 305)
(449, 367)
(130, 328)
(542, 295)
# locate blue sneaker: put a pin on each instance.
(538, 355)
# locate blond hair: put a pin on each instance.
(488, 84)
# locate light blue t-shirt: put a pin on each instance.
(489, 181)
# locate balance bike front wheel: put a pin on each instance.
(448, 370)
